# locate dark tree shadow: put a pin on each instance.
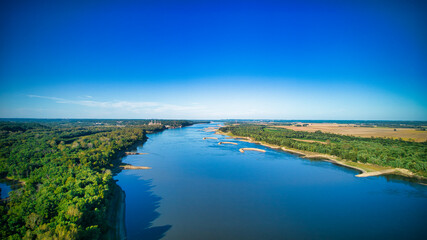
(144, 203)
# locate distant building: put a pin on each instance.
(154, 122)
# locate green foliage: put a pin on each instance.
(380, 151)
(66, 176)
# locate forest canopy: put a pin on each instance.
(64, 171)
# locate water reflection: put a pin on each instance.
(144, 203)
(403, 179)
(6, 186)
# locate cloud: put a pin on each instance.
(131, 106)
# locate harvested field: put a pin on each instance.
(309, 141)
(350, 129)
(242, 150)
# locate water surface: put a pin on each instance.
(5, 189)
(198, 189)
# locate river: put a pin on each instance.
(198, 189)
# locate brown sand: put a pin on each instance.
(128, 167)
(242, 150)
(227, 143)
(210, 138)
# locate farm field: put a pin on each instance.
(351, 129)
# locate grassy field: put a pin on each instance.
(349, 129)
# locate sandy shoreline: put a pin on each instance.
(242, 150)
(134, 153)
(367, 170)
(128, 167)
(233, 143)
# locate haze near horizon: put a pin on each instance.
(342, 60)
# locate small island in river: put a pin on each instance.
(233, 143)
(242, 150)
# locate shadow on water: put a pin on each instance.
(405, 180)
(144, 204)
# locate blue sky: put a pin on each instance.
(214, 59)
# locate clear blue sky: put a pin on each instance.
(214, 59)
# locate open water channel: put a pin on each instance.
(198, 189)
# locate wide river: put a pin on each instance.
(198, 189)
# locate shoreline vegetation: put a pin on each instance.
(65, 169)
(367, 170)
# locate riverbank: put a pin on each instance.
(366, 170)
(134, 153)
(116, 215)
(116, 210)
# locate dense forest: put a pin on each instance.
(380, 151)
(64, 172)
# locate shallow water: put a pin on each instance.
(5, 189)
(198, 189)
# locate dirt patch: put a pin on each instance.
(309, 141)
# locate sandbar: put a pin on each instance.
(210, 138)
(242, 150)
(227, 143)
